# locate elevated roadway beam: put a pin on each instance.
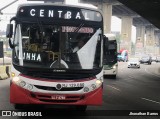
(7, 6)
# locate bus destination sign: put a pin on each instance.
(56, 12)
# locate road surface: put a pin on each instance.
(134, 89)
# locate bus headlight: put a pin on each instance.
(98, 82)
(16, 79)
(86, 89)
(114, 67)
(93, 86)
(22, 83)
(29, 87)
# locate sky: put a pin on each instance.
(115, 23)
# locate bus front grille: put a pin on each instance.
(62, 89)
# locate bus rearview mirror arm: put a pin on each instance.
(9, 32)
(11, 44)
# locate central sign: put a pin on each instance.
(51, 13)
(58, 12)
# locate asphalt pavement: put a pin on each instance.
(134, 89)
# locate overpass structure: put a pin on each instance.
(147, 35)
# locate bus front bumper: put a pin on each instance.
(110, 71)
(20, 95)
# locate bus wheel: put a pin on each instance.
(81, 108)
(18, 106)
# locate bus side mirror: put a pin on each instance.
(9, 31)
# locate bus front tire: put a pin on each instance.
(18, 106)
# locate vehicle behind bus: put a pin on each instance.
(123, 56)
(56, 55)
(110, 55)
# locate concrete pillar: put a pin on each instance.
(99, 6)
(150, 40)
(140, 33)
(107, 14)
(157, 43)
(126, 30)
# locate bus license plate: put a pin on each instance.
(58, 97)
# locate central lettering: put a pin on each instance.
(60, 13)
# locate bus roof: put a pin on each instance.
(110, 36)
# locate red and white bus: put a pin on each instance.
(45, 67)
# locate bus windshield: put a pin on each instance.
(49, 45)
(111, 53)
